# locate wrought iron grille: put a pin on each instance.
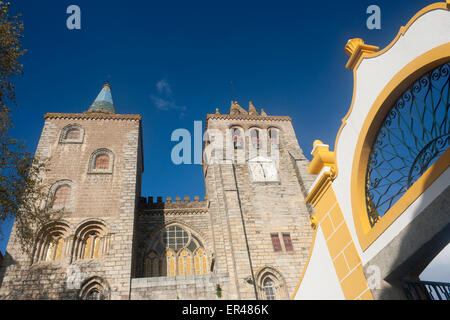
(426, 290)
(413, 135)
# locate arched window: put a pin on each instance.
(94, 288)
(413, 135)
(255, 138)
(269, 289)
(274, 136)
(101, 161)
(73, 133)
(62, 198)
(237, 136)
(175, 251)
(62, 194)
(271, 285)
(91, 241)
(51, 244)
(200, 262)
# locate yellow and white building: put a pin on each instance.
(381, 198)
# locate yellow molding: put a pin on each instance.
(320, 188)
(404, 78)
(356, 48)
(322, 157)
(302, 275)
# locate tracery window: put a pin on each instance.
(271, 285)
(95, 288)
(101, 161)
(51, 243)
(269, 289)
(175, 251)
(91, 240)
(413, 135)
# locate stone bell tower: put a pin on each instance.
(256, 179)
(94, 172)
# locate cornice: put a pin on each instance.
(247, 117)
(93, 116)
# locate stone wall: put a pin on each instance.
(108, 199)
(244, 214)
(195, 287)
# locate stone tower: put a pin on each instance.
(256, 179)
(95, 167)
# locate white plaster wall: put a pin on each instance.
(428, 31)
(320, 281)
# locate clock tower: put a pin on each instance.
(256, 180)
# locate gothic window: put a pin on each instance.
(237, 136)
(271, 285)
(51, 243)
(255, 138)
(287, 242)
(94, 294)
(91, 241)
(274, 136)
(73, 133)
(101, 161)
(200, 262)
(175, 251)
(62, 196)
(94, 288)
(412, 136)
(276, 242)
(153, 264)
(176, 237)
(269, 289)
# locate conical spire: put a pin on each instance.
(103, 102)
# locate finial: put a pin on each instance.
(217, 111)
(107, 85)
(252, 110)
(263, 113)
(355, 48)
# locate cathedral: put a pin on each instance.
(248, 239)
(360, 222)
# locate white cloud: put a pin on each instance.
(164, 87)
(164, 100)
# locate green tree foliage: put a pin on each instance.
(23, 195)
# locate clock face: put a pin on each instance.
(263, 170)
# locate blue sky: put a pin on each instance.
(172, 62)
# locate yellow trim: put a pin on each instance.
(306, 264)
(403, 29)
(322, 157)
(374, 118)
(356, 48)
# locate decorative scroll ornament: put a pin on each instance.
(413, 135)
